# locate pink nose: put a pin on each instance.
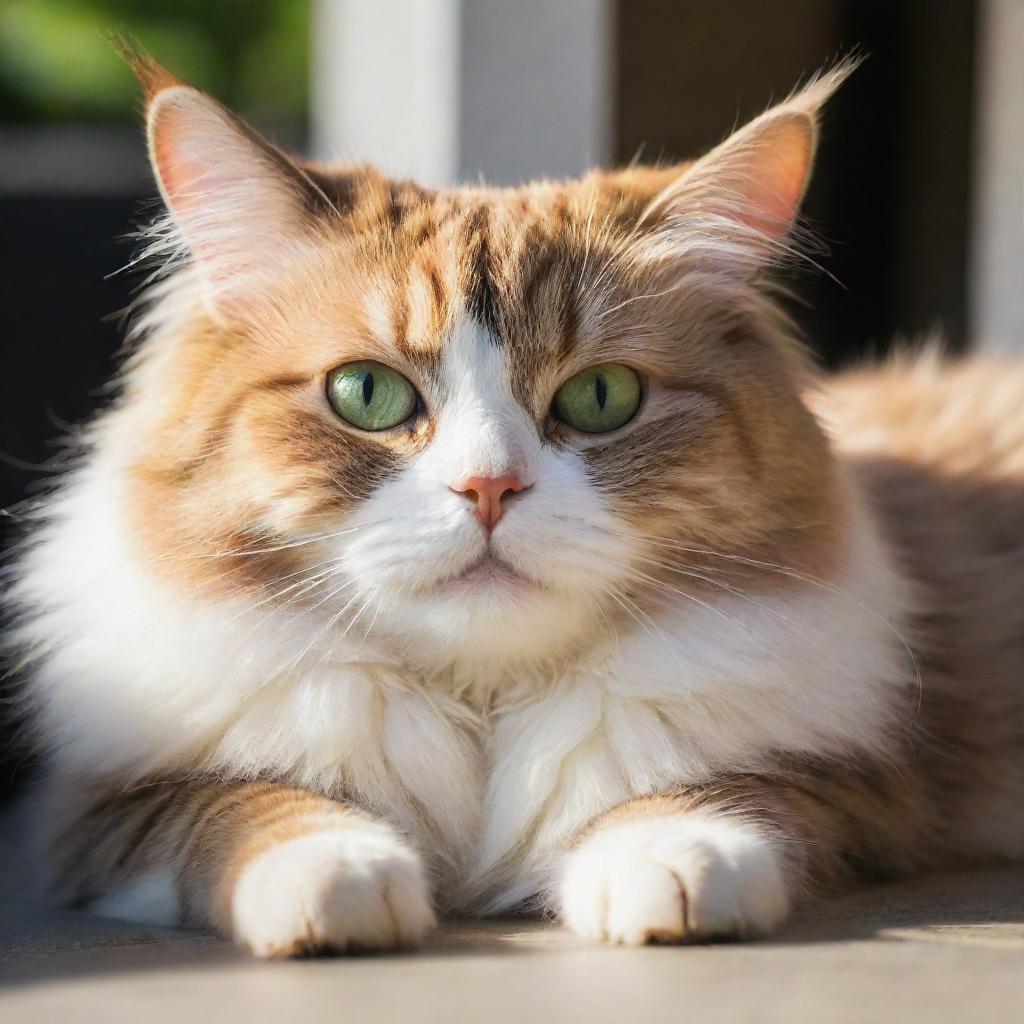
(486, 492)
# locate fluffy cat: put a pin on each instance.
(498, 549)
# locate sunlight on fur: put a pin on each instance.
(350, 610)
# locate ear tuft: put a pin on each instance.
(152, 76)
(819, 89)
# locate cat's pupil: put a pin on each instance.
(601, 387)
(367, 388)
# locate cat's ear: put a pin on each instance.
(235, 200)
(745, 194)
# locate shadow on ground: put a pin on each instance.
(979, 909)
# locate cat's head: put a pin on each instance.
(483, 424)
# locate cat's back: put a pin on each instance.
(938, 445)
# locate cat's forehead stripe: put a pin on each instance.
(515, 273)
(481, 285)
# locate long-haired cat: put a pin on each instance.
(484, 549)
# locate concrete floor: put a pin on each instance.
(945, 948)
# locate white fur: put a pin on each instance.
(150, 897)
(359, 887)
(713, 689)
(670, 878)
(136, 679)
(490, 722)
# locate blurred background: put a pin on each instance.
(918, 190)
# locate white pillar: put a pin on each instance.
(997, 246)
(456, 90)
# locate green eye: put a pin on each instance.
(370, 396)
(599, 399)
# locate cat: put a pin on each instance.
(489, 550)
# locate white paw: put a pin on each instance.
(671, 879)
(346, 889)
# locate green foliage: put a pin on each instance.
(57, 63)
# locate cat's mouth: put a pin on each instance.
(488, 571)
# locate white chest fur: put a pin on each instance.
(134, 683)
(710, 691)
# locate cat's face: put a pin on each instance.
(485, 425)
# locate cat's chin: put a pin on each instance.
(488, 614)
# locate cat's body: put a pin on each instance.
(667, 678)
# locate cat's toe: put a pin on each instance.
(344, 890)
(674, 879)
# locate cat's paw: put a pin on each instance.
(338, 890)
(688, 877)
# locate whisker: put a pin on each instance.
(708, 606)
(314, 539)
(810, 580)
(744, 597)
(635, 612)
